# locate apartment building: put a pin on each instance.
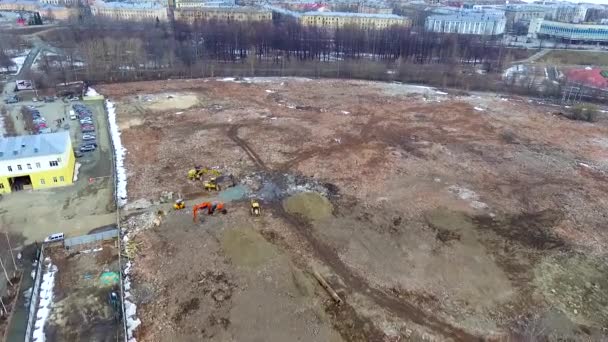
(333, 20)
(525, 13)
(129, 11)
(234, 13)
(36, 161)
(474, 23)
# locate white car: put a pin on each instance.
(54, 237)
(86, 121)
(88, 136)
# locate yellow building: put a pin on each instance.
(36, 161)
(334, 20)
(130, 11)
(223, 14)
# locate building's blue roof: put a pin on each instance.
(26, 146)
(468, 16)
(348, 14)
(129, 5)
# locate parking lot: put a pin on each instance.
(76, 209)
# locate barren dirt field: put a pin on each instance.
(432, 215)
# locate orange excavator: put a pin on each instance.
(211, 207)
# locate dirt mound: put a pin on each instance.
(310, 205)
(247, 248)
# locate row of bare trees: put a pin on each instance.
(114, 51)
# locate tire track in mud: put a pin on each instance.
(233, 134)
(353, 281)
(357, 283)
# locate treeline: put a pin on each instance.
(111, 51)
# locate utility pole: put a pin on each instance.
(4, 311)
(5, 274)
(10, 249)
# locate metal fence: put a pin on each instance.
(90, 238)
(31, 316)
(120, 239)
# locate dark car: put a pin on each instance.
(48, 99)
(88, 129)
(78, 154)
(12, 99)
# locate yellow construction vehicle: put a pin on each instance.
(211, 184)
(199, 172)
(179, 204)
(256, 210)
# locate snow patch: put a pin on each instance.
(130, 308)
(441, 92)
(76, 169)
(46, 302)
(269, 91)
(119, 152)
(87, 251)
(468, 195)
(479, 109)
(179, 113)
(91, 92)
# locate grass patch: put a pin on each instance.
(576, 58)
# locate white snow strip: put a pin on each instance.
(46, 302)
(479, 109)
(179, 113)
(91, 92)
(87, 251)
(119, 152)
(440, 92)
(468, 195)
(345, 112)
(76, 169)
(269, 91)
(584, 165)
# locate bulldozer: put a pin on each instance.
(179, 204)
(199, 172)
(211, 184)
(256, 210)
(219, 183)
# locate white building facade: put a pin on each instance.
(540, 28)
(469, 23)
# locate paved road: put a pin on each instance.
(38, 45)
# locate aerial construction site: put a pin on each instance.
(333, 210)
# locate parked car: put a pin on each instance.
(78, 154)
(88, 136)
(87, 148)
(54, 237)
(88, 129)
(12, 99)
(86, 121)
(48, 99)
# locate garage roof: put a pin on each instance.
(26, 146)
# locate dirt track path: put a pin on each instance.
(354, 282)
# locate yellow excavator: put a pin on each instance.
(179, 204)
(256, 210)
(199, 172)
